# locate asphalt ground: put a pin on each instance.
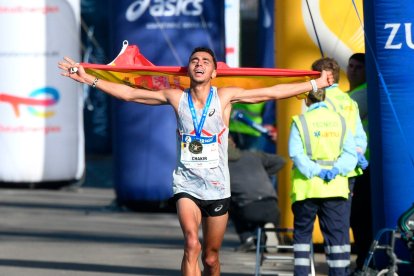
(81, 232)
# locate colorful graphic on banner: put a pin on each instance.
(41, 113)
(336, 31)
(50, 95)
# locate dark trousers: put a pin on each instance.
(247, 218)
(334, 222)
(361, 217)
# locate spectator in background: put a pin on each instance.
(358, 85)
(254, 201)
(323, 152)
(341, 102)
(361, 210)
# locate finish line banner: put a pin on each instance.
(144, 136)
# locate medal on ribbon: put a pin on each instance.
(195, 146)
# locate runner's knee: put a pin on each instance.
(192, 244)
(210, 259)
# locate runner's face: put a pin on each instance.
(201, 67)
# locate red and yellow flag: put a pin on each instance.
(133, 69)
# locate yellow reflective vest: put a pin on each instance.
(322, 132)
(342, 103)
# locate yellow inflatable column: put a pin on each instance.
(340, 35)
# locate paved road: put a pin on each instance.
(68, 232)
(79, 232)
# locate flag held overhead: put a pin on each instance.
(132, 68)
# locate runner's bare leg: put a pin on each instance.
(189, 216)
(213, 234)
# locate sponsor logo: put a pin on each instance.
(211, 113)
(20, 9)
(218, 208)
(37, 102)
(167, 8)
(202, 139)
(392, 42)
(208, 140)
(326, 134)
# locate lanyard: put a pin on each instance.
(199, 127)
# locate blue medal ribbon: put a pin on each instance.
(198, 127)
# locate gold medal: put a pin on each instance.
(195, 147)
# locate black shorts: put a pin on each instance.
(208, 208)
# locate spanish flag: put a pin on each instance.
(132, 68)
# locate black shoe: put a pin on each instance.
(248, 246)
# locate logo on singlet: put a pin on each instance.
(211, 113)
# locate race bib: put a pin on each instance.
(199, 153)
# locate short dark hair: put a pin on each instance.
(359, 57)
(207, 50)
(318, 96)
(327, 64)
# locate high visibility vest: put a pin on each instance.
(322, 132)
(362, 89)
(253, 112)
(341, 102)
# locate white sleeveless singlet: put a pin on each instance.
(211, 183)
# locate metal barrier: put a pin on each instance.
(280, 254)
